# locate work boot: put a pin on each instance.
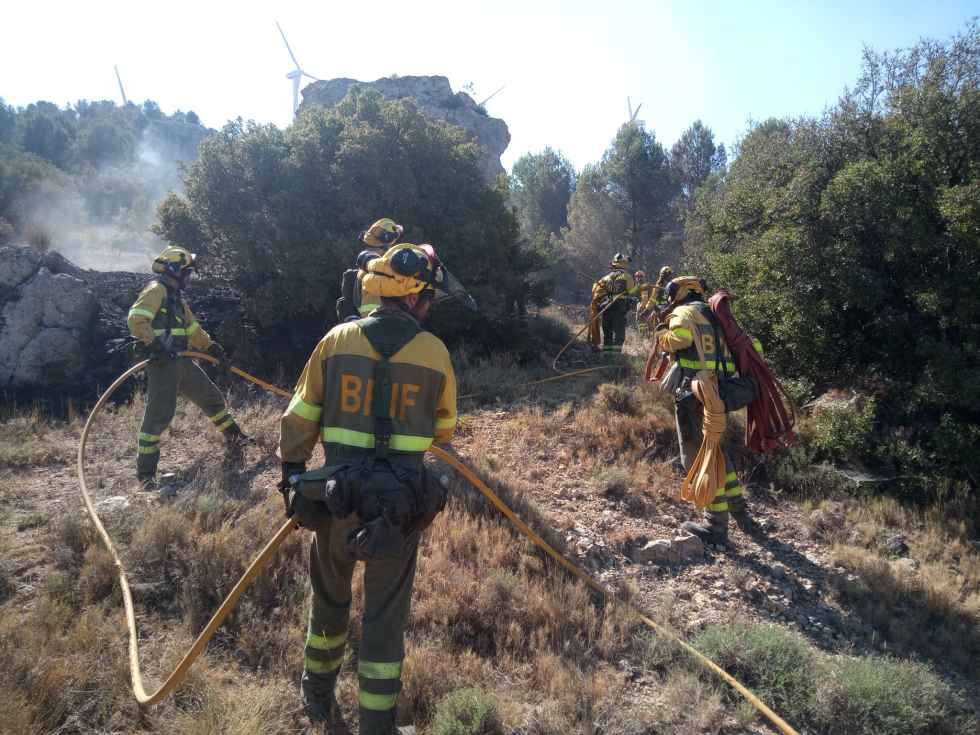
(148, 482)
(317, 694)
(747, 523)
(235, 438)
(713, 531)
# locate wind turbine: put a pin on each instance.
(633, 113)
(121, 90)
(297, 74)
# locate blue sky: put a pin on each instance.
(568, 67)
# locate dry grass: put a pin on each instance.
(490, 612)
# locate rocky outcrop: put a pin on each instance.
(46, 322)
(434, 97)
(58, 323)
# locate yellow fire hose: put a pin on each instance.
(265, 556)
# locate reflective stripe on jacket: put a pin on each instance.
(157, 307)
(333, 396)
(688, 321)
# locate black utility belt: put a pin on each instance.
(391, 503)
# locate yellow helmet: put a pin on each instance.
(666, 272)
(620, 261)
(383, 232)
(404, 269)
(682, 286)
(173, 261)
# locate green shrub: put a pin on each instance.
(774, 663)
(844, 432)
(468, 711)
(877, 696)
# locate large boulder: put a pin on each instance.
(434, 97)
(46, 321)
(60, 324)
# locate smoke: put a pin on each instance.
(101, 220)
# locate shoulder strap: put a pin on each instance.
(170, 301)
(387, 335)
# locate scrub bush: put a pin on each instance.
(468, 711)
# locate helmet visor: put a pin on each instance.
(448, 288)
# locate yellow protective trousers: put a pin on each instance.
(165, 380)
(387, 599)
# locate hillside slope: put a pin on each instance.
(816, 616)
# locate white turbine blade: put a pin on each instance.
(636, 112)
(315, 79)
(291, 54)
(295, 93)
(493, 95)
(629, 106)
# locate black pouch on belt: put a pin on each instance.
(386, 505)
(324, 493)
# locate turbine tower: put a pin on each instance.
(121, 90)
(297, 74)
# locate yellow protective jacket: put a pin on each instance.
(158, 307)
(614, 283)
(690, 321)
(646, 293)
(332, 400)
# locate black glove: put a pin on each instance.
(305, 512)
(219, 352)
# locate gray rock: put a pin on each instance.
(17, 265)
(688, 548)
(658, 552)
(46, 323)
(112, 504)
(896, 545)
(435, 98)
(778, 571)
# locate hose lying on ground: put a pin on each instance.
(265, 556)
(260, 562)
(591, 321)
(769, 423)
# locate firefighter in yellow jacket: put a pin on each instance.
(164, 325)
(352, 303)
(616, 290)
(656, 299)
(377, 392)
(691, 319)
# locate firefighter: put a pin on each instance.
(381, 235)
(691, 318)
(616, 290)
(657, 301)
(377, 392)
(644, 291)
(164, 325)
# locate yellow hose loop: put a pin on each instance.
(257, 565)
(554, 364)
(500, 505)
(262, 560)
